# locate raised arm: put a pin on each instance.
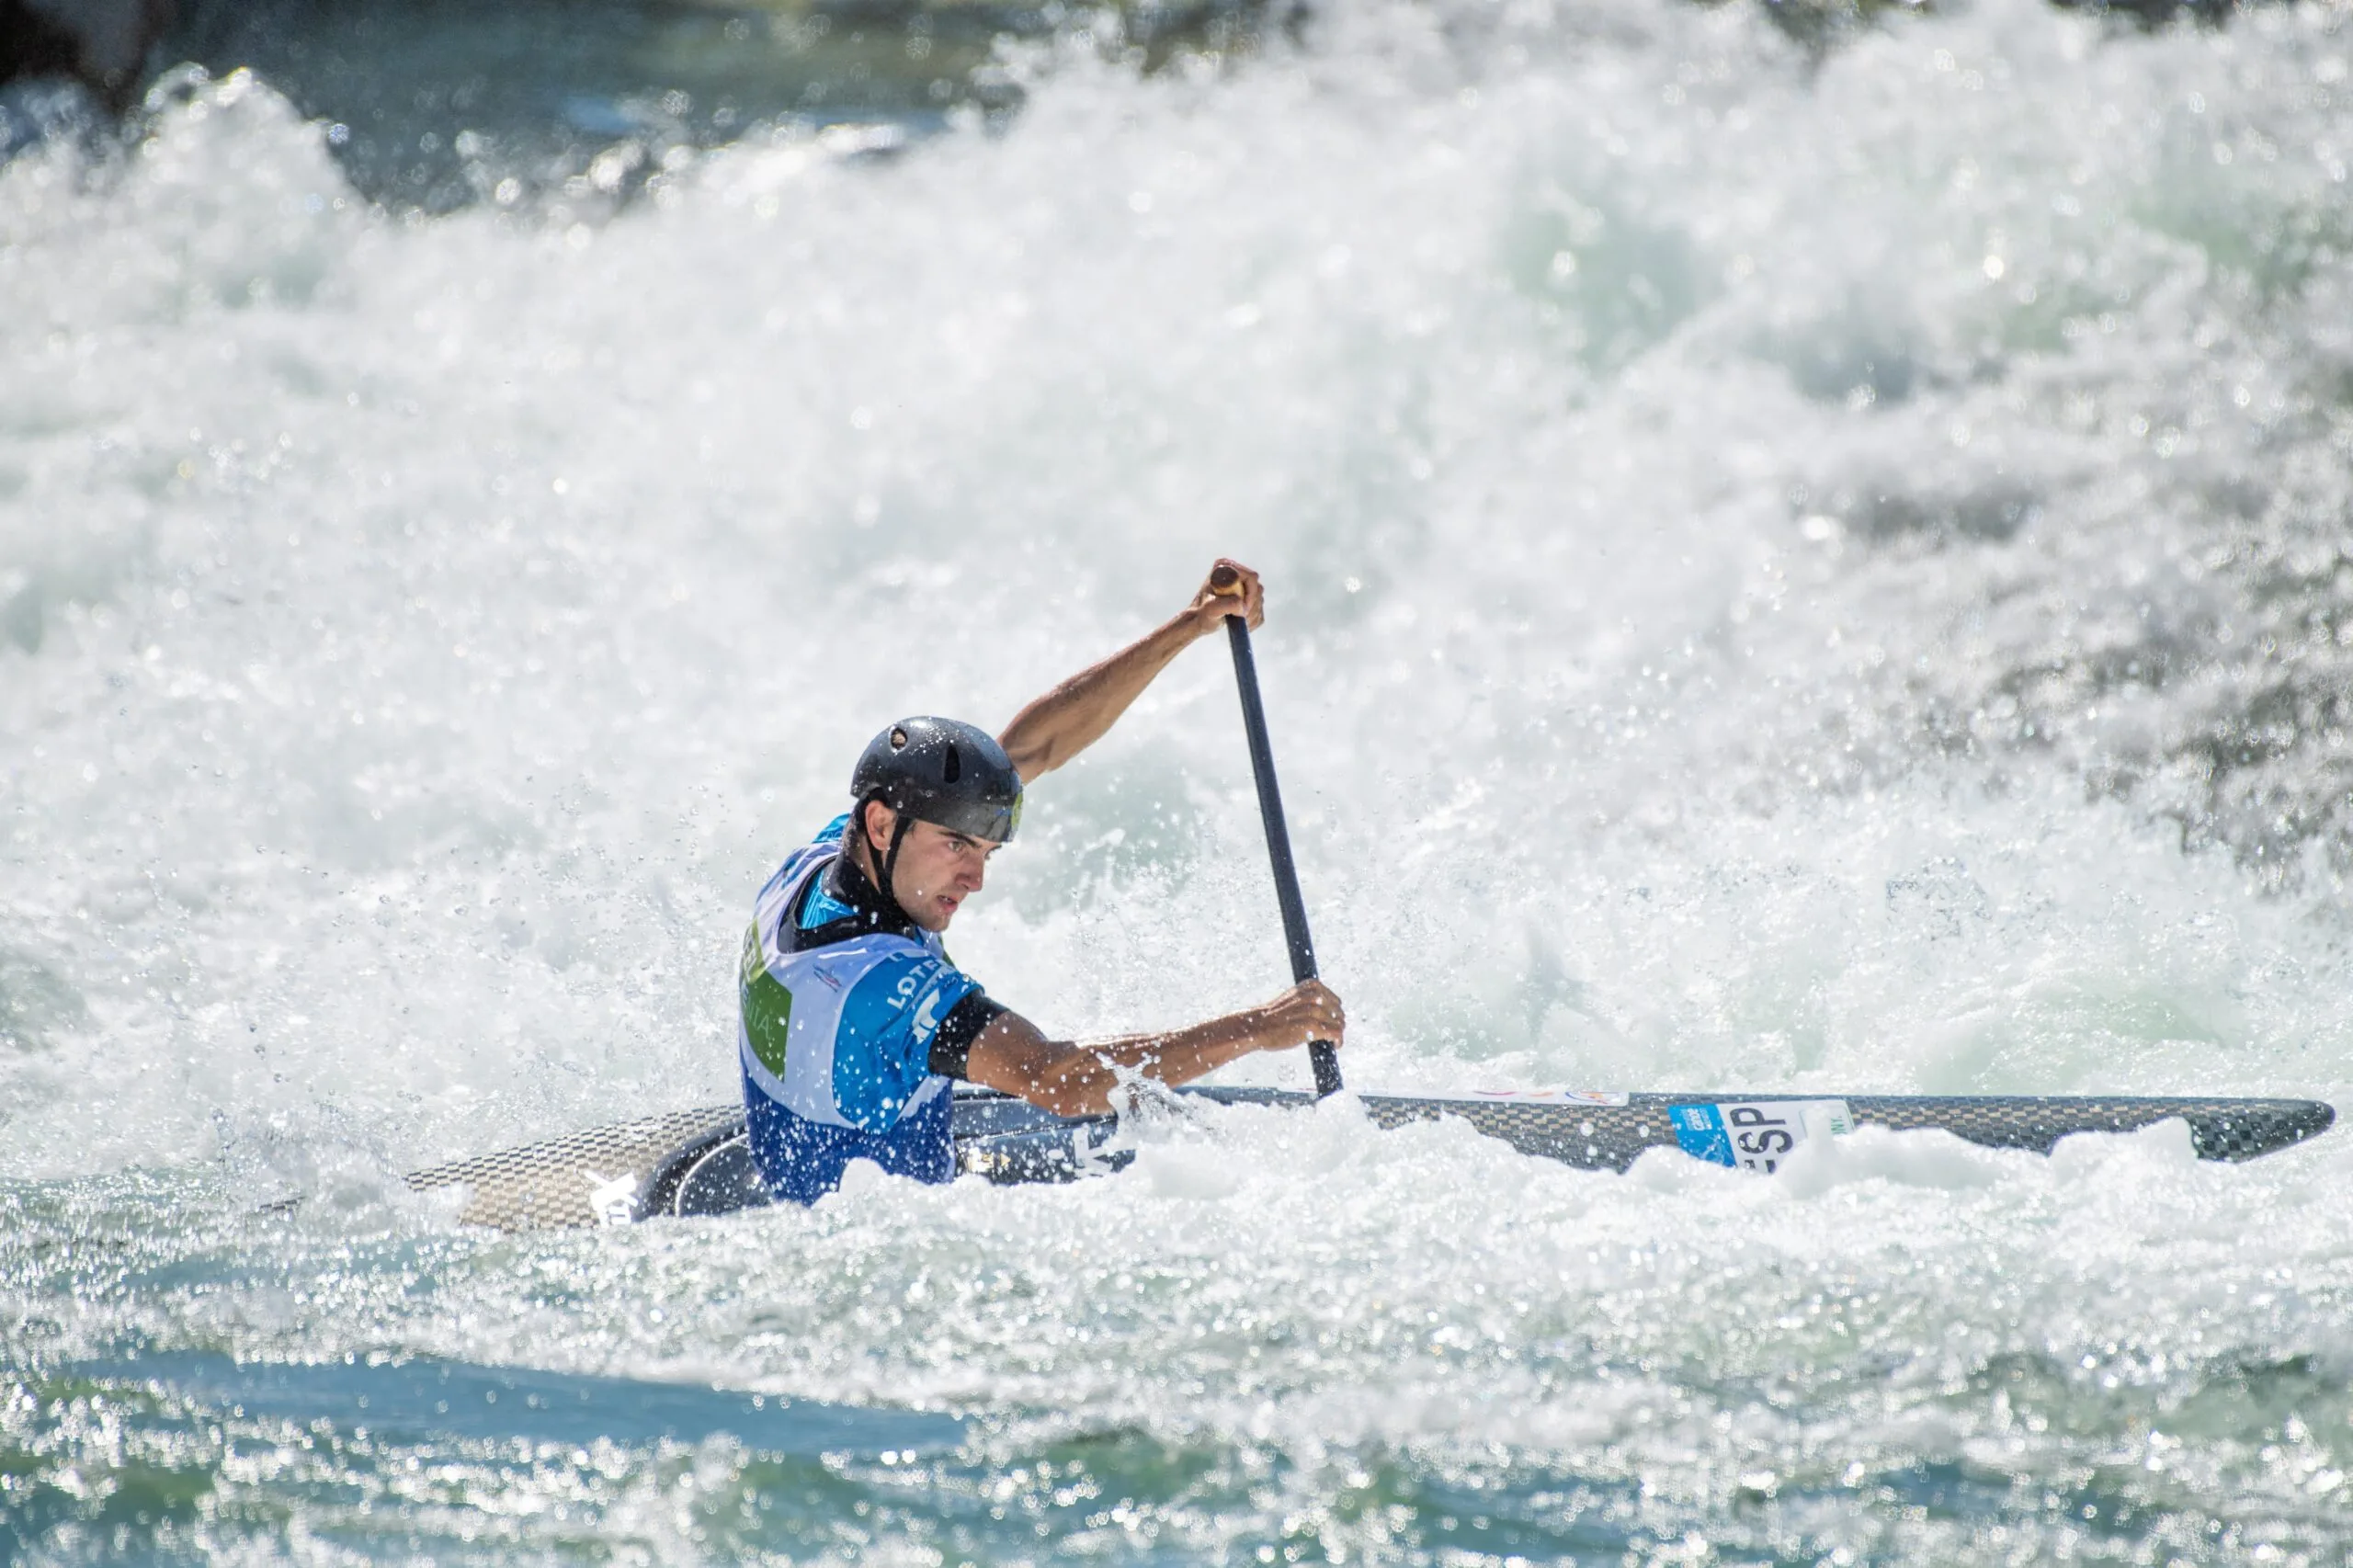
(1075, 1078)
(1074, 715)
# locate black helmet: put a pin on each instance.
(940, 770)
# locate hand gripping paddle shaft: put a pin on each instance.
(1320, 1054)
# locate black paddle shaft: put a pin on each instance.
(1320, 1054)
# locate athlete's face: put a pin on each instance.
(939, 868)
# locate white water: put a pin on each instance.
(1759, 552)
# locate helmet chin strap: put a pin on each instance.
(890, 857)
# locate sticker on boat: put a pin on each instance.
(1755, 1135)
(613, 1201)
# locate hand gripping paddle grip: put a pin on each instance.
(1320, 1054)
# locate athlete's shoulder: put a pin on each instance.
(825, 847)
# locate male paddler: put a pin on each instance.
(853, 1020)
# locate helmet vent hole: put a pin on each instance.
(953, 768)
(898, 740)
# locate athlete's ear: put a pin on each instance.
(878, 840)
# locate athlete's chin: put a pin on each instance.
(942, 911)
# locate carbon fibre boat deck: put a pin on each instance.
(695, 1162)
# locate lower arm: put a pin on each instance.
(1084, 1076)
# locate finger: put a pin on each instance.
(1227, 593)
(1230, 579)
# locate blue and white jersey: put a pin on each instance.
(851, 1022)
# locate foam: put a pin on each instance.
(1706, 666)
